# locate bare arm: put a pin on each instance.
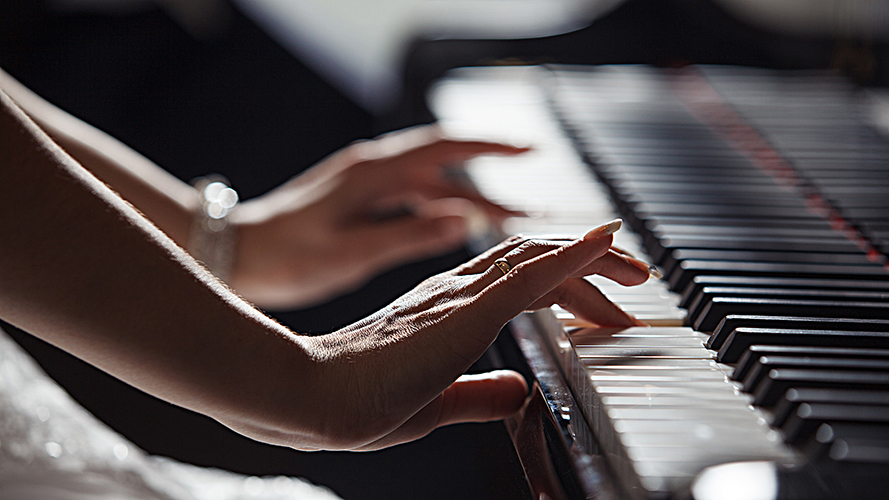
(80, 268)
(166, 200)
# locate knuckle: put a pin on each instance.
(521, 280)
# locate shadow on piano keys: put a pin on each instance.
(761, 195)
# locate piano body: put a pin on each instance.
(762, 196)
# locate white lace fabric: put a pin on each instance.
(51, 448)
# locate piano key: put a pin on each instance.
(669, 243)
(677, 402)
(794, 397)
(778, 381)
(754, 352)
(720, 307)
(740, 338)
(671, 259)
(699, 282)
(765, 364)
(850, 442)
(718, 302)
(687, 270)
(804, 422)
(702, 304)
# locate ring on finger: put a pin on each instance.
(503, 265)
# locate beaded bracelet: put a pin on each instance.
(213, 239)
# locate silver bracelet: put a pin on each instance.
(213, 238)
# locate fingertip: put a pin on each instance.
(606, 229)
(487, 396)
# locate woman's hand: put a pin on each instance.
(396, 376)
(332, 228)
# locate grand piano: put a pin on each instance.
(761, 196)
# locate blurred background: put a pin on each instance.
(258, 90)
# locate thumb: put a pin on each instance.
(472, 398)
(482, 397)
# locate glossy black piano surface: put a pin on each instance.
(757, 193)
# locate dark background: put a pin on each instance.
(236, 103)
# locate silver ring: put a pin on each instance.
(503, 266)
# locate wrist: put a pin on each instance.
(213, 237)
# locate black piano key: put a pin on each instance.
(764, 364)
(720, 307)
(754, 352)
(802, 424)
(732, 322)
(791, 400)
(851, 201)
(633, 172)
(615, 153)
(707, 221)
(700, 282)
(742, 199)
(743, 337)
(662, 248)
(671, 259)
(687, 270)
(659, 229)
(778, 381)
(645, 210)
(855, 443)
(701, 305)
(667, 161)
(628, 188)
(865, 214)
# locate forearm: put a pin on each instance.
(82, 269)
(164, 199)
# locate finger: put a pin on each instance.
(436, 190)
(622, 251)
(622, 269)
(532, 248)
(472, 398)
(405, 239)
(429, 146)
(530, 280)
(483, 262)
(585, 301)
(445, 151)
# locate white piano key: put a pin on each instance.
(670, 401)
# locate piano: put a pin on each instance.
(762, 197)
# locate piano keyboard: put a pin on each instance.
(767, 214)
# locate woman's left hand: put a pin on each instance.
(329, 230)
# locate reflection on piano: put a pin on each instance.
(761, 195)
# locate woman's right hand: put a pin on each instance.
(396, 375)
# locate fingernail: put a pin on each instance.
(604, 230)
(655, 272)
(648, 268)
